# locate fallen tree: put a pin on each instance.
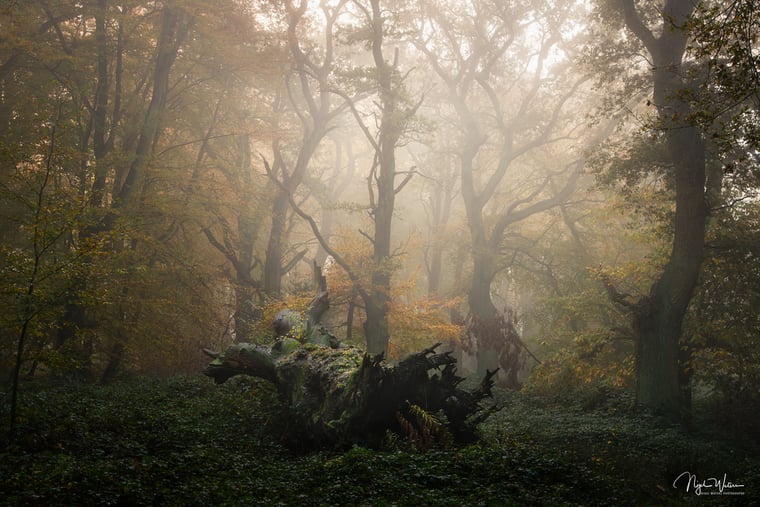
(338, 395)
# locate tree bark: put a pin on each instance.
(482, 308)
(439, 205)
(277, 239)
(315, 92)
(376, 326)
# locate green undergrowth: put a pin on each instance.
(186, 441)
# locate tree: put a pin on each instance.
(439, 191)
(175, 25)
(726, 98)
(701, 76)
(658, 316)
(501, 120)
(235, 237)
(47, 230)
(722, 324)
(394, 114)
(309, 91)
(382, 183)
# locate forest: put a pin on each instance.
(440, 252)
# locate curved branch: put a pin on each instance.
(228, 253)
(407, 179)
(514, 215)
(636, 25)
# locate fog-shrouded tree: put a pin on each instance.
(723, 40)
(370, 25)
(307, 98)
(290, 108)
(493, 62)
(395, 113)
(439, 203)
(722, 323)
(82, 50)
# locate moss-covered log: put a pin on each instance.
(340, 395)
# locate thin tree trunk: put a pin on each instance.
(376, 326)
(440, 204)
(39, 247)
(277, 237)
(482, 309)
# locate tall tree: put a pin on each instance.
(661, 383)
(124, 72)
(232, 224)
(382, 181)
(393, 115)
(175, 24)
(503, 105)
(309, 93)
(438, 204)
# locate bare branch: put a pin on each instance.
(370, 238)
(409, 175)
(515, 215)
(228, 254)
(352, 105)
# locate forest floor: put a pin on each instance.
(185, 441)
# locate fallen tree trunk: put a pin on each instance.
(341, 396)
(337, 396)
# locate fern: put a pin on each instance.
(412, 435)
(424, 429)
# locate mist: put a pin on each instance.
(402, 227)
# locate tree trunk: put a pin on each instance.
(277, 238)
(338, 184)
(661, 384)
(434, 271)
(482, 308)
(101, 103)
(440, 207)
(246, 287)
(245, 315)
(658, 318)
(336, 397)
(376, 324)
